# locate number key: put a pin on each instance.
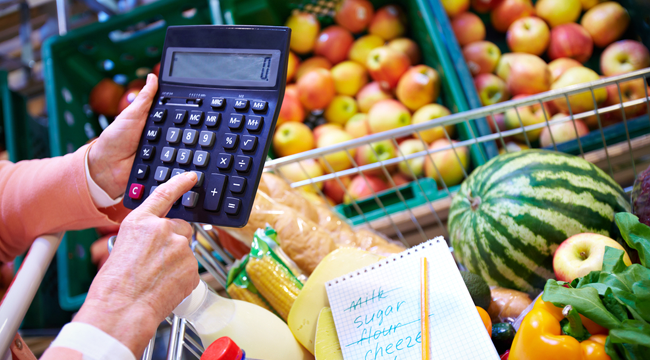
(162, 174)
(179, 116)
(173, 135)
(201, 158)
(189, 137)
(177, 172)
(206, 139)
(184, 156)
(168, 154)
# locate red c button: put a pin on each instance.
(136, 190)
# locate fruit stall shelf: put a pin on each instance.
(416, 223)
(639, 29)
(126, 46)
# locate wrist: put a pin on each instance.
(101, 172)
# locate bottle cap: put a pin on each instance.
(191, 303)
(222, 349)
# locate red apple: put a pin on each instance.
(354, 15)
(528, 35)
(364, 186)
(581, 254)
(454, 8)
(291, 110)
(375, 152)
(630, 90)
(126, 100)
(292, 90)
(624, 56)
(484, 6)
(388, 23)
(105, 97)
(571, 41)
(526, 116)
(321, 130)
(136, 84)
(156, 70)
(420, 85)
(304, 31)
(563, 132)
(491, 89)
(316, 89)
(292, 138)
(387, 65)
(399, 179)
(408, 47)
(482, 57)
(468, 28)
(370, 94)
(503, 66)
(559, 66)
(497, 121)
(387, 115)
(508, 11)
(333, 190)
(334, 43)
(558, 12)
(528, 75)
(315, 62)
(606, 22)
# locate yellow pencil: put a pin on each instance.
(424, 307)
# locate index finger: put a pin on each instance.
(162, 199)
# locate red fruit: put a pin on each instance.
(354, 15)
(136, 84)
(364, 186)
(105, 97)
(128, 97)
(156, 70)
(334, 43)
(641, 197)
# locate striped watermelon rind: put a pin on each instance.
(513, 212)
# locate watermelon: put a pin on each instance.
(511, 214)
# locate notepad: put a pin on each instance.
(376, 309)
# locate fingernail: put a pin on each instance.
(149, 78)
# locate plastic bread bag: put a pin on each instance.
(270, 236)
(507, 304)
(272, 277)
(239, 286)
(280, 191)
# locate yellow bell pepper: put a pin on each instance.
(542, 337)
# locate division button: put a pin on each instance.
(153, 133)
(136, 191)
(190, 199)
(217, 102)
(159, 115)
(237, 184)
(141, 171)
(258, 105)
(235, 120)
(148, 152)
(248, 142)
(214, 191)
(229, 141)
(195, 117)
(223, 161)
(184, 156)
(242, 163)
(232, 205)
(162, 174)
(212, 119)
(241, 104)
(179, 116)
(254, 123)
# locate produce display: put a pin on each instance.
(517, 48)
(357, 77)
(512, 213)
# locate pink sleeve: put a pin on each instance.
(39, 197)
(61, 353)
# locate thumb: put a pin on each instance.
(165, 195)
(140, 106)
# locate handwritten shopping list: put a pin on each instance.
(377, 310)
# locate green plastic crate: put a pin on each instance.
(426, 31)
(126, 46)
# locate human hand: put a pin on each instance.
(111, 156)
(150, 271)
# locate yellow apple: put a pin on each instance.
(558, 12)
(582, 101)
(420, 85)
(349, 77)
(341, 109)
(339, 160)
(303, 170)
(581, 254)
(447, 166)
(357, 126)
(370, 94)
(292, 138)
(428, 113)
(304, 31)
(315, 62)
(362, 47)
(408, 47)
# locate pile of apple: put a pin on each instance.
(360, 87)
(549, 31)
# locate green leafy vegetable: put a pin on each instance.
(614, 306)
(636, 235)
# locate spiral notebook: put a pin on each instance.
(376, 309)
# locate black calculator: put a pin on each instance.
(219, 95)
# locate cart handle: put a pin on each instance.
(23, 289)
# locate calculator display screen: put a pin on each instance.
(221, 66)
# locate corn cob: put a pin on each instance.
(274, 282)
(240, 293)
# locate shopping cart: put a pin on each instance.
(622, 156)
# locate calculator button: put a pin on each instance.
(223, 161)
(168, 154)
(148, 152)
(189, 136)
(201, 158)
(259, 105)
(195, 117)
(206, 138)
(237, 184)
(213, 191)
(153, 188)
(242, 163)
(177, 172)
(159, 115)
(212, 119)
(141, 171)
(173, 135)
(235, 121)
(217, 102)
(136, 190)
(241, 104)
(179, 116)
(232, 206)
(162, 174)
(229, 141)
(153, 133)
(184, 156)
(248, 142)
(199, 178)
(254, 123)
(190, 199)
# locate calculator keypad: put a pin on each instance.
(173, 135)
(190, 136)
(167, 155)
